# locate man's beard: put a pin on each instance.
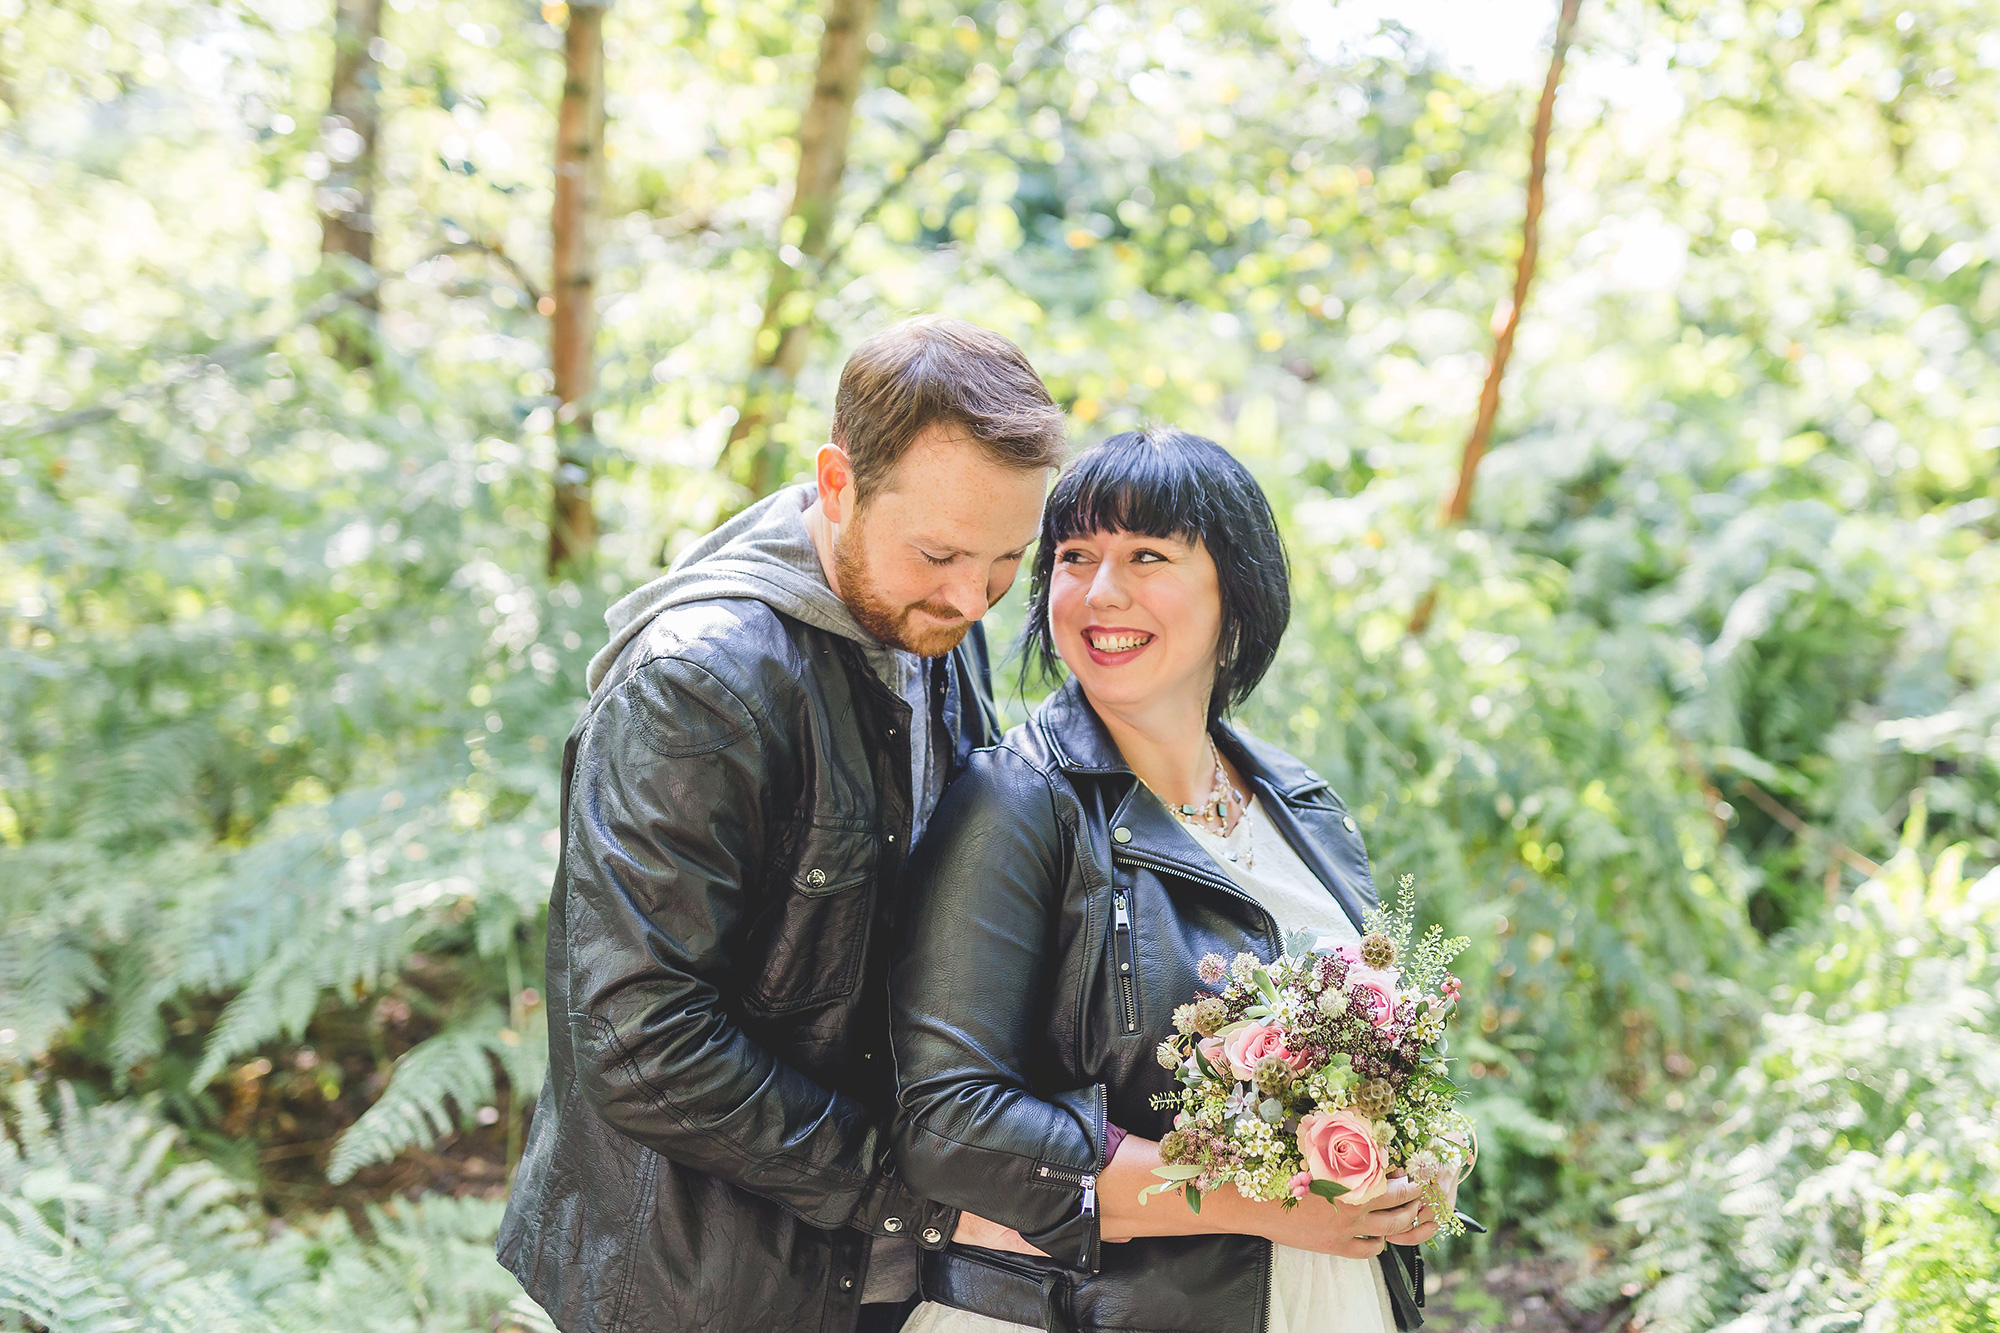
(888, 622)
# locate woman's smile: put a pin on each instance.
(1109, 646)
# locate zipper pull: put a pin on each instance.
(1119, 916)
(1090, 1196)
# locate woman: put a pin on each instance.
(1074, 877)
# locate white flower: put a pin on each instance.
(1333, 1003)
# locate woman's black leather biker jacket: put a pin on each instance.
(1057, 915)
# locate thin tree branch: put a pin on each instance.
(1776, 809)
(507, 261)
(1459, 505)
(194, 366)
(930, 148)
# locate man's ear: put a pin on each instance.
(833, 471)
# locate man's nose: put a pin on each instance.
(967, 595)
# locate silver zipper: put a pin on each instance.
(1270, 1280)
(1271, 934)
(1126, 961)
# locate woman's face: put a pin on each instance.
(1137, 619)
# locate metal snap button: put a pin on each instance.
(847, 1284)
(892, 1224)
(932, 1235)
(1121, 834)
(1349, 821)
(892, 837)
(815, 877)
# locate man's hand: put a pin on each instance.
(973, 1230)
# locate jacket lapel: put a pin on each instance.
(1144, 831)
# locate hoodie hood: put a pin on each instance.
(764, 554)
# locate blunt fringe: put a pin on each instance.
(1166, 482)
(935, 370)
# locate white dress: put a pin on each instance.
(1312, 1293)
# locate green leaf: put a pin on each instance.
(1193, 1197)
(1328, 1190)
(1177, 1171)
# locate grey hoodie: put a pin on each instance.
(766, 554)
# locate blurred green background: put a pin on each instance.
(1701, 742)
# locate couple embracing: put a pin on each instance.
(855, 1001)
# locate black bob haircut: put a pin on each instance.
(1165, 482)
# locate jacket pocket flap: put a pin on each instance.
(834, 859)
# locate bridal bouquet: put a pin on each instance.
(1323, 1072)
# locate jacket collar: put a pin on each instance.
(1079, 743)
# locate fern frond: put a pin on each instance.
(429, 1269)
(455, 1066)
(101, 1231)
(46, 973)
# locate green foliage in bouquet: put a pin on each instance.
(1319, 1072)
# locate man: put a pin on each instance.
(768, 729)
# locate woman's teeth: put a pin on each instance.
(1119, 643)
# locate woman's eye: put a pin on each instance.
(1072, 557)
(939, 560)
(1147, 557)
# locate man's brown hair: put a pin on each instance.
(934, 370)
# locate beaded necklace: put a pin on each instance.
(1212, 814)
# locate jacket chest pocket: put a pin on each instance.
(814, 939)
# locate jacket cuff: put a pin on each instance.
(1076, 1240)
(891, 1209)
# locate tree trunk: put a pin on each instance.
(346, 197)
(573, 323)
(1459, 505)
(781, 339)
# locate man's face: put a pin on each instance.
(925, 556)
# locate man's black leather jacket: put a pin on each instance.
(1057, 913)
(710, 1151)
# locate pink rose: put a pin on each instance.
(1246, 1046)
(1210, 1049)
(1341, 1148)
(1376, 993)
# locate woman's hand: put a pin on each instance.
(1352, 1231)
(1427, 1220)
